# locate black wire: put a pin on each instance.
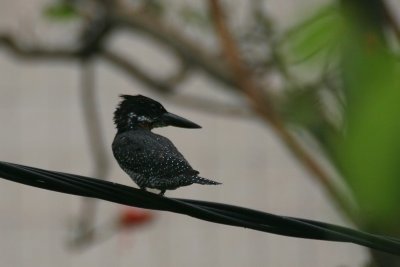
(317, 230)
(282, 220)
(209, 211)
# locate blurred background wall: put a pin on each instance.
(42, 124)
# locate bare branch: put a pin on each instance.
(93, 122)
(168, 85)
(186, 49)
(98, 152)
(211, 106)
(121, 62)
(15, 48)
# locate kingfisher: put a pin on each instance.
(151, 160)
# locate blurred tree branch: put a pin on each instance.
(10, 43)
(263, 106)
(188, 51)
(85, 231)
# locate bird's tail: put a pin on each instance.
(201, 180)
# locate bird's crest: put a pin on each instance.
(136, 108)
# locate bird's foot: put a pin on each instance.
(162, 192)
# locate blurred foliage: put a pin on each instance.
(155, 7)
(367, 146)
(195, 17)
(370, 150)
(302, 107)
(313, 46)
(322, 33)
(60, 11)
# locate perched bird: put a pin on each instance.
(151, 160)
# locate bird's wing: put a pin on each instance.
(152, 155)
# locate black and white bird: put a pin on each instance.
(151, 160)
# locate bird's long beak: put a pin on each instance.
(177, 121)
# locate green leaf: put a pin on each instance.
(370, 150)
(60, 11)
(320, 33)
(301, 107)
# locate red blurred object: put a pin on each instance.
(130, 217)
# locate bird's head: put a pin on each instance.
(142, 112)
